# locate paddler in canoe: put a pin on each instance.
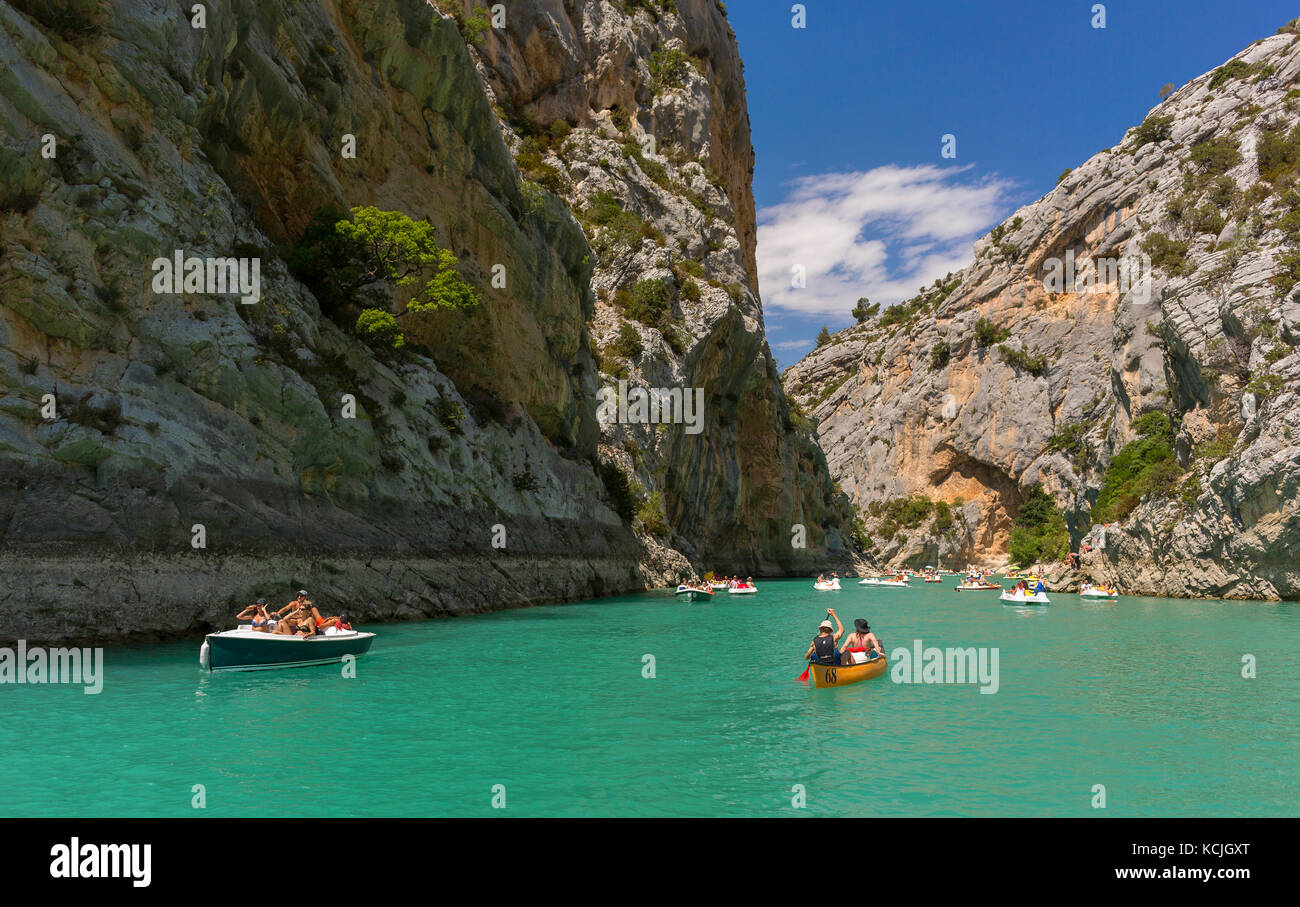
(824, 649)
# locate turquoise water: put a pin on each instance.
(1144, 696)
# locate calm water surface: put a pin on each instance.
(1142, 695)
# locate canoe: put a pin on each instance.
(244, 649)
(823, 676)
(1025, 598)
(743, 590)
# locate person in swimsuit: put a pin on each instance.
(863, 640)
(823, 647)
(257, 614)
(297, 610)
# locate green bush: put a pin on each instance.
(1033, 363)
(1167, 254)
(1277, 153)
(647, 301)
(939, 355)
(1145, 465)
(379, 329)
(668, 68)
(823, 336)
(628, 343)
(1153, 129)
(1070, 439)
(1233, 69)
(989, 333)
(1216, 155)
(1039, 532)
(651, 515)
(943, 518)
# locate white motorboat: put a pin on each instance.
(246, 649)
(694, 593)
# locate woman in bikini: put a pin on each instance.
(256, 614)
(862, 640)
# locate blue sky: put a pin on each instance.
(848, 116)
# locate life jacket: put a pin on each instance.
(824, 649)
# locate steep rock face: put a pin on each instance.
(997, 379)
(646, 108)
(465, 481)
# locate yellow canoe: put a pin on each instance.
(838, 675)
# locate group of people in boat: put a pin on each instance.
(298, 618)
(860, 646)
(1023, 587)
(734, 582)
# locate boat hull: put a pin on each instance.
(249, 651)
(965, 588)
(750, 591)
(823, 676)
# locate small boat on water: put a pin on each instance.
(830, 585)
(743, 590)
(244, 649)
(694, 593)
(715, 586)
(1090, 591)
(1025, 598)
(980, 586)
(823, 676)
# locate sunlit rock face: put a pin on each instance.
(1001, 377)
(201, 452)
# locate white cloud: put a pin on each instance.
(881, 233)
(792, 344)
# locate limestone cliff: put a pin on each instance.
(1169, 409)
(164, 457)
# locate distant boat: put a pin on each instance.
(245, 649)
(743, 590)
(715, 586)
(976, 586)
(830, 585)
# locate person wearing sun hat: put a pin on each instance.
(862, 642)
(823, 647)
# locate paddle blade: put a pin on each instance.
(804, 675)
